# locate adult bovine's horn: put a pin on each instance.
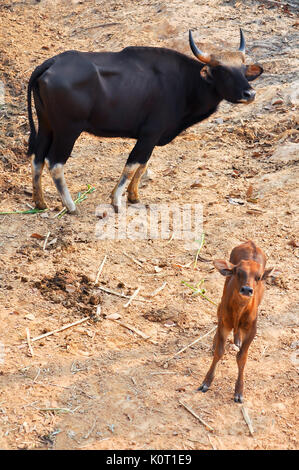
(242, 42)
(202, 56)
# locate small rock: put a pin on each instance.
(169, 324)
(286, 153)
(236, 202)
(113, 316)
(196, 184)
(99, 310)
(276, 101)
(70, 289)
(29, 316)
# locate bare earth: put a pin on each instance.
(100, 385)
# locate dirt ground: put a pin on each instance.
(99, 384)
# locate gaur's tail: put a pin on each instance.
(34, 76)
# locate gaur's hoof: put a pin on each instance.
(116, 208)
(203, 388)
(74, 211)
(238, 398)
(133, 200)
(41, 205)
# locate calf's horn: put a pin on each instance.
(202, 56)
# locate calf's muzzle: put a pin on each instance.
(246, 290)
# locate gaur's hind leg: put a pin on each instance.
(37, 191)
(59, 152)
(43, 143)
(57, 174)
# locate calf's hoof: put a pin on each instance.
(203, 388)
(238, 398)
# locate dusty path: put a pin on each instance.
(100, 385)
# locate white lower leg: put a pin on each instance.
(58, 178)
(118, 191)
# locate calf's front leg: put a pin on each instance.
(241, 361)
(219, 340)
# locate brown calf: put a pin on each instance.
(242, 294)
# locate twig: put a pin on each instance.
(247, 419)
(284, 4)
(29, 211)
(199, 249)
(55, 331)
(162, 373)
(29, 342)
(159, 289)
(196, 416)
(171, 238)
(133, 259)
(132, 328)
(119, 294)
(80, 198)
(91, 429)
(263, 351)
(46, 240)
(191, 344)
(213, 446)
(200, 292)
(63, 210)
(38, 372)
(132, 297)
(183, 265)
(58, 410)
(100, 270)
(103, 25)
(135, 330)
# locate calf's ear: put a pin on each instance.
(268, 272)
(253, 71)
(224, 267)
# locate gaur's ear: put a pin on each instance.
(224, 267)
(206, 74)
(268, 272)
(253, 71)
